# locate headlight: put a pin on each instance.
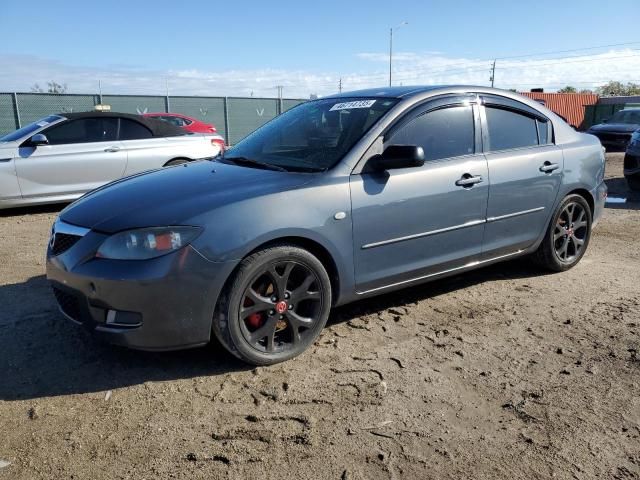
(145, 243)
(635, 136)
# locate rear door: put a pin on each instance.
(82, 154)
(412, 223)
(144, 151)
(525, 172)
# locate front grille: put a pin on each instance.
(63, 242)
(631, 162)
(68, 304)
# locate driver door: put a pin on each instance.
(412, 223)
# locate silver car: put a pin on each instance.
(61, 157)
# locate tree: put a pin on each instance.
(52, 87)
(614, 88)
(568, 89)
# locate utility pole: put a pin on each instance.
(390, 52)
(340, 85)
(279, 87)
(493, 73)
(391, 47)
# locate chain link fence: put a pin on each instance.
(234, 117)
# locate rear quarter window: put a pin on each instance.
(130, 130)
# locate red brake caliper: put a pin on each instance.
(255, 320)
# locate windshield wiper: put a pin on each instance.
(252, 162)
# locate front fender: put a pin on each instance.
(235, 230)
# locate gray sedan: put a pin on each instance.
(61, 157)
(336, 200)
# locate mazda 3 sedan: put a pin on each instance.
(336, 200)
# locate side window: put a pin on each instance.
(83, 130)
(443, 133)
(130, 130)
(509, 129)
(543, 132)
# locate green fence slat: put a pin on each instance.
(8, 121)
(244, 114)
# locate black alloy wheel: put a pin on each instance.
(567, 236)
(275, 307)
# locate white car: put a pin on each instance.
(61, 157)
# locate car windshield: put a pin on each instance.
(313, 136)
(626, 116)
(29, 129)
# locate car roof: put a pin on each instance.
(159, 128)
(405, 91)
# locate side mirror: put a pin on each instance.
(38, 139)
(398, 156)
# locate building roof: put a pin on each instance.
(159, 128)
(568, 105)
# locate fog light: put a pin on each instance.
(117, 318)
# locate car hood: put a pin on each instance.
(174, 195)
(615, 127)
(8, 147)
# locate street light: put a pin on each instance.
(391, 46)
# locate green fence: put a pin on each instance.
(234, 117)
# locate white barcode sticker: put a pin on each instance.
(356, 104)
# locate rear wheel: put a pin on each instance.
(634, 182)
(567, 237)
(275, 307)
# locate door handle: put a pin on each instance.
(112, 149)
(468, 180)
(548, 167)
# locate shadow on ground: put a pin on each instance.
(32, 210)
(42, 354)
(618, 189)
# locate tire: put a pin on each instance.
(561, 249)
(176, 161)
(275, 305)
(633, 181)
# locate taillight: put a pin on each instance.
(218, 142)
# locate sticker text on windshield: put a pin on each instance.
(356, 104)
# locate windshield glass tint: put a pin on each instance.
(312, 136)
(629, 116)
(29, 129)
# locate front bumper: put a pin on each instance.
(613, 140)
(632, 163)
(166, 303)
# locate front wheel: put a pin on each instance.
(567, 236)
(275, 306)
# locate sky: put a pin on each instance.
(244, 48)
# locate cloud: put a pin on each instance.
(410, 68)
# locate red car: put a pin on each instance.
(188, 123)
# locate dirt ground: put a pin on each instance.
(504, 372)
